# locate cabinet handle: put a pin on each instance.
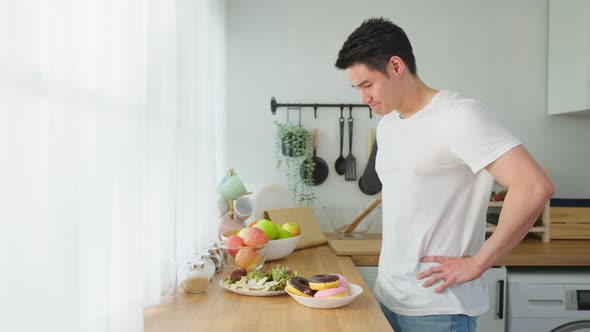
(500, 312)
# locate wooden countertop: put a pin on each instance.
(530, 252)
(220, 310)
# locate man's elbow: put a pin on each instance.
(550, 189)
(544, 189)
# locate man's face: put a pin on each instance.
(377, 89)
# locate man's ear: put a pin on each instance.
(397, 65)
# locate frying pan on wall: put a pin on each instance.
(320, 168)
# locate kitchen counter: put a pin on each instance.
(220, 310)
(530, 252)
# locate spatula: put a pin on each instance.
(363, 214)
(350, 174)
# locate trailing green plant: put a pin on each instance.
(294, 153)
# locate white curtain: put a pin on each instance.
(111, 114)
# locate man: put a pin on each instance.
(438, 156)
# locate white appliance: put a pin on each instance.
(494, 320)
(548, 300)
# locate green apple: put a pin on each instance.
(279, 227)
(292, 228)
(268, 227)
(283, 234)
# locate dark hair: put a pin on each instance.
(373, 43)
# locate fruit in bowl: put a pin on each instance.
(233, 241)
(292, 228)
(268, 227)
(245, 250)
(253, 236)
(280, 247)
(250, 258)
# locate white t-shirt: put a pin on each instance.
(435, 194)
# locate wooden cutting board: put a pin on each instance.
(355, 247)
(311, 233)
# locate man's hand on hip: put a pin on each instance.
(453, 270)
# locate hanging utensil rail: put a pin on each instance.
(274, 106)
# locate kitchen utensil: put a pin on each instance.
(350, 173)
(369, 150)
(370, 142)
(340, 217)
(340, 164)
(369, 182)
(363, 214)
(320, 168)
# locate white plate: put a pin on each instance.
(354, 290)
(251, 293)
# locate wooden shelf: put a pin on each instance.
(542, 228)
(534, 229)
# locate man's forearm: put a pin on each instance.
(519, 212)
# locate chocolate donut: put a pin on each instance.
(299, 286)
(324, 281)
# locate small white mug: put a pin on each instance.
(244, 207)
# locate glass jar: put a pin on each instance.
(213, 250)
(209, 265)
(197, 279)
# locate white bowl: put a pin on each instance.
(341, 217)
(354, 290)
(276, 249)
(282, 248)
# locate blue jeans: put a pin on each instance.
(431, 323)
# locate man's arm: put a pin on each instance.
(529, 188)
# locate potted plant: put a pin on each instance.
(293, 149)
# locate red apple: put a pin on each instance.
(253, 236)
(247, 258)
(233, 241)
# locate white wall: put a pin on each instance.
(495, 51)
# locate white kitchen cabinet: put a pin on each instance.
(494, 319)
(568, 87)
(369, 275)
